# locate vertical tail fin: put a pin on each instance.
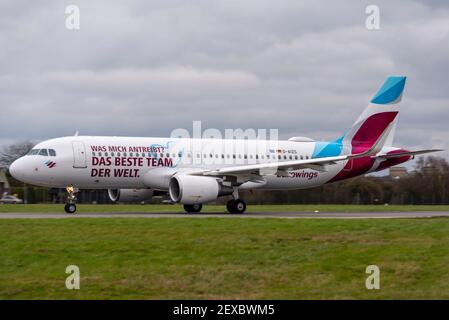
(377, 117)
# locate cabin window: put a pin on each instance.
(112, 154)
(296, 157)
(180, 155)
(307, 157)
(279, 157)
(105, 154)
(93, 154)
(290, 157)
(118, 154)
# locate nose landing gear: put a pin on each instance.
(70, 206)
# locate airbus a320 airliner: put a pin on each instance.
(197, 171)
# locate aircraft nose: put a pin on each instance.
(16, 169)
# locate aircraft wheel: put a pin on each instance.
(236, 206)
(193, 208)
(229, 206)
(70, 208)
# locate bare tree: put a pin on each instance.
(14, 151)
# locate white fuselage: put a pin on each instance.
(125, 162)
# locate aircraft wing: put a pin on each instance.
(273, 167)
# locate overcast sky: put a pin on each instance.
(307, 68)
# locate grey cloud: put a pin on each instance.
(144, 68)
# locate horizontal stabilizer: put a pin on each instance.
(407, 153)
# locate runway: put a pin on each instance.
(249, 215)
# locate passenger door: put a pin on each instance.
(79, 154)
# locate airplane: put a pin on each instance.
(193, 172)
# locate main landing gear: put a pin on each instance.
(193, 208)
(233, 206)
(70, 206)
(236, 206)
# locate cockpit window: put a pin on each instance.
(42, 152)
(33, 152)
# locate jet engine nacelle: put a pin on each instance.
(130, 195)
(187, 189)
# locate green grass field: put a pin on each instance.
(87, 208)
(224, 258)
